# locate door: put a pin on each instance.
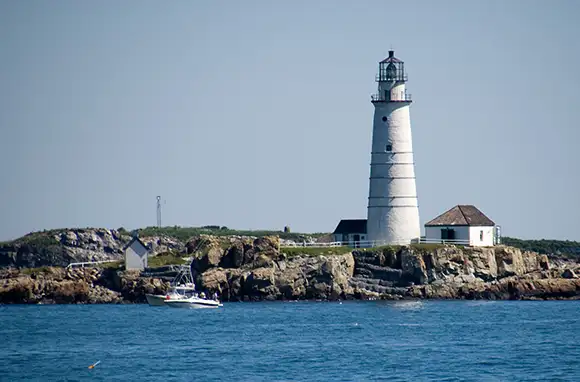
(451, 234)
(356, 239)
(447, 234)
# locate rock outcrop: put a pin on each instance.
(452, 272)
(62, 247)
(81, 286)
(301, 277)
(254, 269)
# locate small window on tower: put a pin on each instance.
(480, 235)
(384, 119)
(389, 148)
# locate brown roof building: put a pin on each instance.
(462, 215)
(464, 225)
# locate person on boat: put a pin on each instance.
(215, 296)
(202, 295)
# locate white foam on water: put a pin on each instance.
(479, 303)
(408, 305)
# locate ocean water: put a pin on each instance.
(294, 341)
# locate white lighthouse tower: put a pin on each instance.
(393, 212)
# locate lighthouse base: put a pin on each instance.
(393, 226)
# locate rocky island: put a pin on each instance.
(33, 269)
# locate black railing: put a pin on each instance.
(382, 98)
(386, 78)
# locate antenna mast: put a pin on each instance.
(158, 211)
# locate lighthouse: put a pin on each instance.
(393, 211)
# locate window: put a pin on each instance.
(447, 234)
(391, 71)
(384, 119)
(389, 148)
(480, 235)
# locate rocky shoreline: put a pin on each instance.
(242, 269)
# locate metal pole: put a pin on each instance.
(158, 211)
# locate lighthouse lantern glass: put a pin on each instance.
(391, 71)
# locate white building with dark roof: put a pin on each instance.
(462, 224)
(351, 231)
(136, 254)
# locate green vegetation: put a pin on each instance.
(48, 237)
(36, 271)
(112, 264)
(45, 242)
(423, 247)
(185, 233)
(427, 246)
(312, 251)
(165, 259)
(561, 248)
(38, 239)
(382, 248)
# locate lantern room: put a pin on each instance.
(391, 69)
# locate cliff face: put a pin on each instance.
(258, 271)
(244, 269)
(83, 285)
(452, 272)
(62, 247)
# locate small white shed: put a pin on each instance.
(462, 224)
(136, 254)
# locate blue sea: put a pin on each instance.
(294, 341)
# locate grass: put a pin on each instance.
(38, 239)
(39, 270)
(185, 233)
(47, 237)
(382, 248)
(165, 259)
(114, 265)
(428, 246)
(560, 248)
(318, 251)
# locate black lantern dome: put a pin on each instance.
(391, 69)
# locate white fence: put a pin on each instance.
(424, 240)
(82, 264)
(371, 244)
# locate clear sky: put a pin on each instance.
(257, 114)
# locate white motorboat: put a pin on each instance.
(182, 286)
(182, 293)
(158, 299)
(193, 302)
(175, 293)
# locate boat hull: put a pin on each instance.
(155, 299)
(193, 304)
